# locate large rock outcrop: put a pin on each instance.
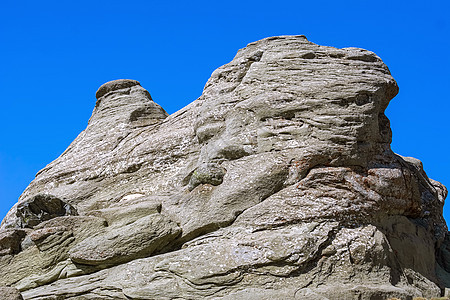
(277, 183)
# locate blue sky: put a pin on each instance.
(55, 54)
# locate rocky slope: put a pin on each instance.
(277, 183)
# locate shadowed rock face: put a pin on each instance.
(277, 183)
(41, 208)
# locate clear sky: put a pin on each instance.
(55, 54)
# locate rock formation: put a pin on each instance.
(277, 183)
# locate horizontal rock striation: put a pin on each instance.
(277, 183)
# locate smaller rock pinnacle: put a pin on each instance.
(115, 85)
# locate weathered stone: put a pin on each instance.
(117, 245)
(41, 208)
(117, 215)
(9, 293)
(44, 259)
(10, 241)
(277, 183)
(115, 85)
(206, 173)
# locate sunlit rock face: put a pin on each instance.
(277, 183)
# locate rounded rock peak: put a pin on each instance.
(115, 85)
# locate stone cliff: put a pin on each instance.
(277, 183)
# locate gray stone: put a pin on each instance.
(42, 207)
(206, 173)
(10, 241)
(9, 293)
(115, 85)
(278, 182)
(45, 257)
(121, 244)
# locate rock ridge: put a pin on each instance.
(278, 182)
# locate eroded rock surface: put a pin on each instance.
(277, 183)
(9, 293)
(41, 208)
